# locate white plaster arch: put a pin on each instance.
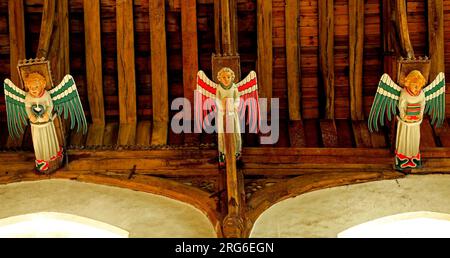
(328, 212)
(419, 224)
(140, 214)
(56, 224)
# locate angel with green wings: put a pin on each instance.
(412, 102)
(37, 104)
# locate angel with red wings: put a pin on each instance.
(229, 101)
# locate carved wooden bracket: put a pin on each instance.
(225, 27)
(399, 18)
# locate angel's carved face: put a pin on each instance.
(226, 76)
(35, 83)
(415, 82)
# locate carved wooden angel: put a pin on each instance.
(412, 103)
(37, 104)
(230, 101)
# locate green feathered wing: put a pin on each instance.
(66, 101)
(385, 102)
(435, 100)
(15, 109)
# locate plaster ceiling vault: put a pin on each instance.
(321, 213)
(328, 212)
(141, 214)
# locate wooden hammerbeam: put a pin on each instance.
(226, 55)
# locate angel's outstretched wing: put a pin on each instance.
(386, 101)
(15, 108)
(248, 92)
(435, 100)
(66, 100)
(205, 95)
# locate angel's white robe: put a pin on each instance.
(222, 96)
(408, 133)
(45, 140)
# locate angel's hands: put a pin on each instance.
(32, 119)
(46, 117)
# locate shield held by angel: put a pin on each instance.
(40, 104)
(408, 103)
(227, 102)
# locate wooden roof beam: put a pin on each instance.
(189, 56)
(265, 51)
(356, 49)
(436, 40)
(94, 77)
(126, 72)
(401, 25)
(160, 88)
(17, 50)
(326, 52)
(293, 59)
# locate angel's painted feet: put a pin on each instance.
(50, 166)
(403, 162)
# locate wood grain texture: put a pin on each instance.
(361, 134)
(62, 52)
(264, 42)
(48, 19)
(356, 49)
(217, 27)
(345, 133)
(95, 134)
(225, 22)
(189, 47)
(326, 52)
(110, 134)
(144, 133)
(17, 51)
(126, 62)
(160, 133)
(232, 178)
(160, 88)
(293, 59)
(426, 135)
(401, 21)
(297, 134)
(127, 134)
(329, 133)
(312, 133)
(443, 133)
(387, 37)
(16, 37)
(94, 75)
(234, 30)
(58, 55)
(77, 139)
(378, 139)
(436, 40)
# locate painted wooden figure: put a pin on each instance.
(230, 101)
(412, 101)
(37, 104)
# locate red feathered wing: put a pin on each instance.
(205, 95)
(248, 92)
